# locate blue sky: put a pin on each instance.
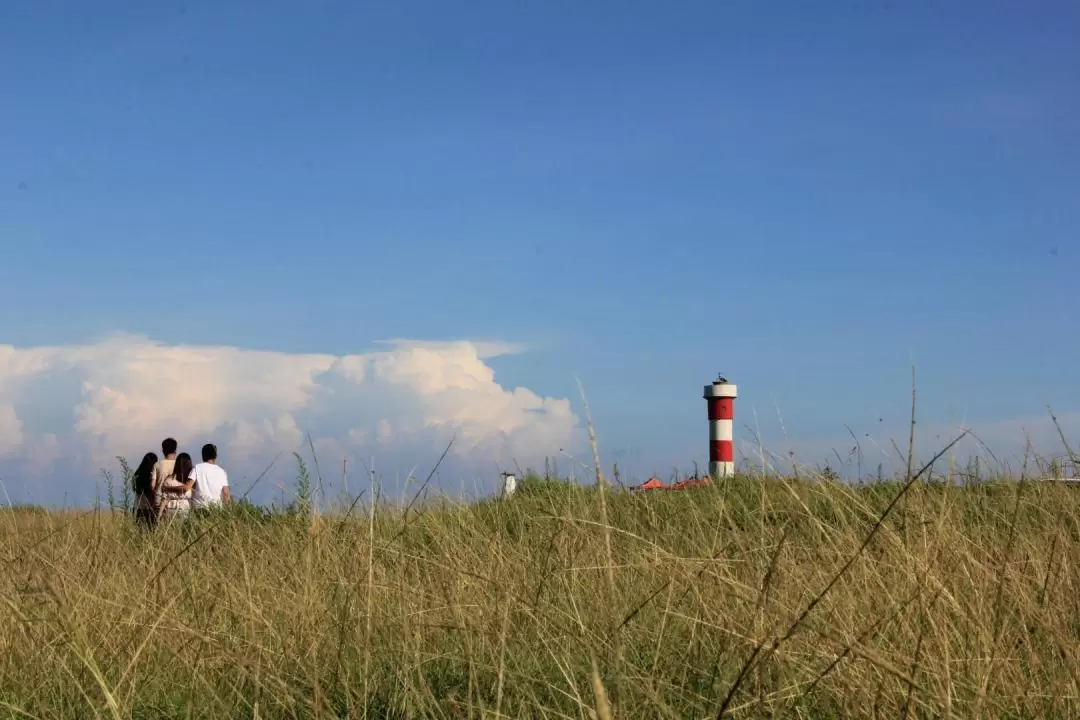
(807, 198)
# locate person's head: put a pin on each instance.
(168, 447)
(183, 467)
(141, 477)
(209, 453)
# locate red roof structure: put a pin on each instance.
(692, 482)
(655, 483)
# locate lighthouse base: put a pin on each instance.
(721, 469)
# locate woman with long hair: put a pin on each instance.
(175, 491)
(142, 484)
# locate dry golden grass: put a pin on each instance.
(963, 602)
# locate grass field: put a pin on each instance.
(751, 598)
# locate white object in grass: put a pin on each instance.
(509, 484)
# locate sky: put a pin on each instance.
(385, 225)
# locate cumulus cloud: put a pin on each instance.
(11, 435)
(82, 405)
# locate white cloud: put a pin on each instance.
(85, 404)
(485, 349)
(11, 434)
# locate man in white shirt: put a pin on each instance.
(211, 482)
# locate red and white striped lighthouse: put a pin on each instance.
(720, 398)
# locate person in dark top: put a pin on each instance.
(141, 481)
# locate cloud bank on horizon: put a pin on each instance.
(66, 408)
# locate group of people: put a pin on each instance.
(174, 486)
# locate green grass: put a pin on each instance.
(964, 602)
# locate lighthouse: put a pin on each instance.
(720, 401)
